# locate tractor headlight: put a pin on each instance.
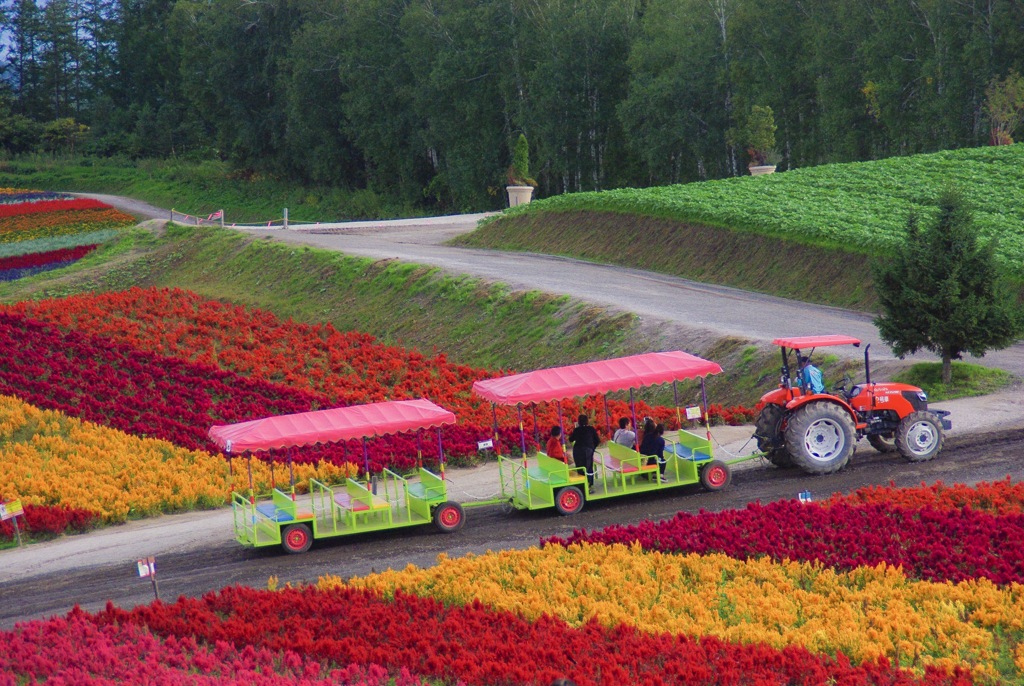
(922, 396)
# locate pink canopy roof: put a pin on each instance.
(804, 342)
(326, 426)
(594, 377)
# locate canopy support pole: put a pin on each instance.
(497, 441)
(440, 452)
(607, 417)
(366, 459)
(632, 412)
(536, 434)
(522, 433)
(419, 449)
(248, 462)
(291, 473)
(561, 429)
(675, 399)
(704, 399)
(273, 483)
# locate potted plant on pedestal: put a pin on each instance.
(520, 185)
(759, 137)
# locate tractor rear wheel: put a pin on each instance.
(883, 443)
(919, 437)
(767, 431)
(820, 437)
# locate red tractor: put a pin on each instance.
(817, 431)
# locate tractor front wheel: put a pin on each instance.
(767, 431)
(820, 437)
(919, 437)
(296, 538)
(449, 517)
(883, 443)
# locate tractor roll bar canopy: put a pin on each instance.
(622, 373)
(804, 342)
(327, 426)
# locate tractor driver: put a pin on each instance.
(810, 376)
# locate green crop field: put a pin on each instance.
(859, 207)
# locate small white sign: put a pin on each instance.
(484, 445)
(693, 412)
(147, 566)
(10, 509)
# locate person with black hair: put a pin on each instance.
(654, 445)
(554, 447)
(624, 435)
(584, 441)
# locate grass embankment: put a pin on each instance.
(200, 188)
(414, 306)
(473, 322)
(808, 233)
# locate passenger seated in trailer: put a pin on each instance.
(810, 376)
(646, 428)
(654, 445)
(554, 448)
(584, 441)
(623, 435)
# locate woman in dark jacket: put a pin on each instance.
(654, 445)
(584, 441)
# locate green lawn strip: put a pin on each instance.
(968, 380)
(199, 188)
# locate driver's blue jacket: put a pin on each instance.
(810, 378)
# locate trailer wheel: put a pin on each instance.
(919, 437)
(448, 517)
(820, 437)
(569, 500)
(715, 475)
(767, 431)
(883, 443)
(296, 538)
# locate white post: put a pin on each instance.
(222, 219)
(286, 218)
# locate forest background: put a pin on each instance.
(419, 101)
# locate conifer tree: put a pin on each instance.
(942, 291)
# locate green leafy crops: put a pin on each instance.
(859, 207)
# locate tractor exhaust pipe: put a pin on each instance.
(867, 365)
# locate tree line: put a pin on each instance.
(424, 99)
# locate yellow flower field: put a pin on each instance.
(864, 613)
(48, 458)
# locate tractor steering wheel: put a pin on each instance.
(841, 387)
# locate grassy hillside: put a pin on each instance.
(199, 188)
(415, 306)
(807, 233)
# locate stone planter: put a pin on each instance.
(519, 195)
(758, 170)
